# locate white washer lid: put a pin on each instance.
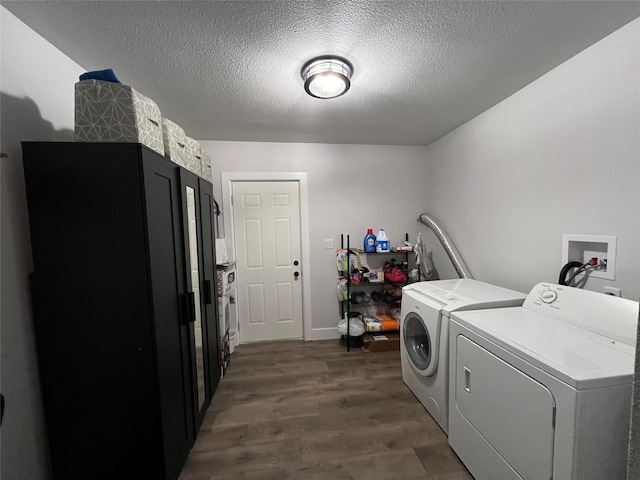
(579, 357)
(467, 294)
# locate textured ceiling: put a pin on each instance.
(231, 70)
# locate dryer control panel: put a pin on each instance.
(612, 317)
(549, 296)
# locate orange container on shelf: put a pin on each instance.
(380, 323)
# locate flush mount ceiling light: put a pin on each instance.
(327, 76)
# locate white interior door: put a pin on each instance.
(266, 219)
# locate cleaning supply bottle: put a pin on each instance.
(382, 242)
(341, 262)
(342, 289)
(369, 241)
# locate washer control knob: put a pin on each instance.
(549, 296)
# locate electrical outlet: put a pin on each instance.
(614, 292)
(328, 243)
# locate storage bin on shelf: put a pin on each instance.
(380, 323)
(112, 112)
(175, 142)
(193, 160)
(205, 166)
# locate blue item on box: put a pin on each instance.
(107, 75)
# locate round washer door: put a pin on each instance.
(419, 345)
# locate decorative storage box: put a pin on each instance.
(112, 112)
(175, 142)
(206, 166)
(226, 280)
(193, 158)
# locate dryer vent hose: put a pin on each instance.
(449, 247)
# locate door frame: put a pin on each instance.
(227, 179)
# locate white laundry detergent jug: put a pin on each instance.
(382, 242)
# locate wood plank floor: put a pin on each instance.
(312, 411)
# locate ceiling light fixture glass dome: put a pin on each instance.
(327, 76)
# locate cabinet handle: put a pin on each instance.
(208, 297)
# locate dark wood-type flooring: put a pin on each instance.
(312, 411)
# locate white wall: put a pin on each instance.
(36, 104)
(562, 155)
(350, 188)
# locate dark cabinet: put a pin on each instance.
(126, 369)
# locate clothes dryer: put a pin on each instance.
(544, 390)
(424, 334)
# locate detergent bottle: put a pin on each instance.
(382, 242)
(369, 241)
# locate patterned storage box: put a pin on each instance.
(175, 142)
(111, 112)
(193, 158)
(206, 166)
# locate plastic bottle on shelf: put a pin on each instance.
(342, 289)
(382, 242)
(342, 261)
(369, 241)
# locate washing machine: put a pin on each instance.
(424, 334)
(543, 391)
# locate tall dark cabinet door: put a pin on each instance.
(170, 306)
(208, 214)
(192, 232)
(92, 319)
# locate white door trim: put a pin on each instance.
(227, 178)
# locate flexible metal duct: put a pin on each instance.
(449, 247)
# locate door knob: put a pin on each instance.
(296, 274)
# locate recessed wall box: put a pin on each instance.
(582, 248)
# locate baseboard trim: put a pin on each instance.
(323, 334)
